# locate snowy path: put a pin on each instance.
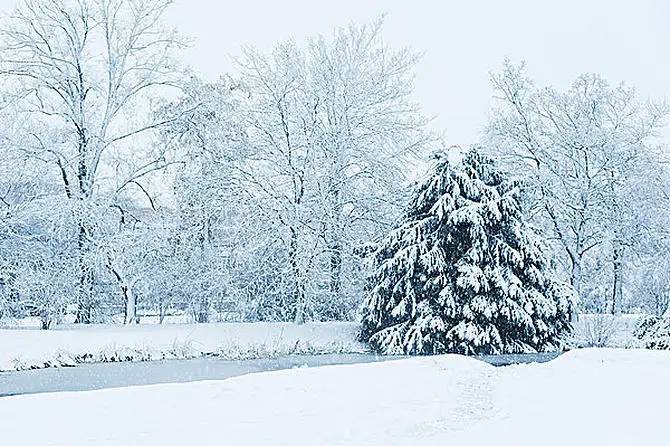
(614, 397)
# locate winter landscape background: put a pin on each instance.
(271, 184)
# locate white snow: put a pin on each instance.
(586, 397)
(23, 349)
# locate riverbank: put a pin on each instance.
(69, 345)
(106, 375)
(24, 349)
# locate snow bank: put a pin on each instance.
(586, 397)
(24, 349)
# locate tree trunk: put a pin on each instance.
(614, 304)
(202, 310)
(45, 320)
(299, 288)
(300, 305)
(335, 245)
(336, 272)
(131, 306)
(576, 275)
(84, 298)
(84, 293)
(161, 313)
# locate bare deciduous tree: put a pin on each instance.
(580, 152)
(316, 143)
(84, 71)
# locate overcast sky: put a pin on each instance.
(462, 42)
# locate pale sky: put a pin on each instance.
(462, 42)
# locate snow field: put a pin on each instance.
(589, 397)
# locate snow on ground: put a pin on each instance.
(586, 397)
(24, 349)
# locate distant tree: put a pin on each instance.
(310, 147)
(367, 130)
(42, 261)
(44, 283)
(654, 289)
(583, 153)
(134, 253)
(463, 272)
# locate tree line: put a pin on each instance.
(131, 185)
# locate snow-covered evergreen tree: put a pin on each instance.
(654, 331)
(463, 273)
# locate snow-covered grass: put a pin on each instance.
(24, 349)
(586, 397)
(145, 319)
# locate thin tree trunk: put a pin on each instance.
(202, 314)
(45, 320)
(84, 291)
(336, 272)
(616, 297)
(576, 275)
(614, 304)
(299, 289)
(161, 313)
(576, 282)
(129, 298)
(335, 247)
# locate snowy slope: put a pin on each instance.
(23, 349)
(590, 397)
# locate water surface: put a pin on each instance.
(124, 374)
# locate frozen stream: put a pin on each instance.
(124, 374)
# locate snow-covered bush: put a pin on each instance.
(464, 273)
(654, 332)
(596, 330)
